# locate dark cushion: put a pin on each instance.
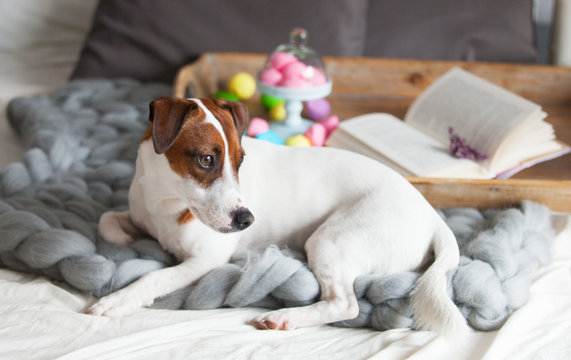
(483, 30)
(150, 40)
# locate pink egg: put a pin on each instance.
(318, 78)
(294, 83)
(271, 76)
(257, 126)
(316, 134)
(294, 70)
(330, 123)
(281, 59)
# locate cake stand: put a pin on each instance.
(294, 123)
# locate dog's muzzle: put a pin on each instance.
(241, 219)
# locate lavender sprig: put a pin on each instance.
(460, 149)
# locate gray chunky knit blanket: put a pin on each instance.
(82, 142)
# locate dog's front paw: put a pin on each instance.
(114, 305)
(275, 320)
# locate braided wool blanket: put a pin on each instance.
(82, 142)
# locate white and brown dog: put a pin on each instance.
(350, 215)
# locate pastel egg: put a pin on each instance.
(330, 123)
(278, 112)
(271, 136)
(257, 126)
(269, 102)
(281, 59)
(221, 94)
(271, 76)
(242, 85)
(316, 134)
(298, 140)
(295, 83)
(294, 70)
(316, 109)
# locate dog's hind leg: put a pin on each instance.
(338, 302)
(336, 276)
(117, 228)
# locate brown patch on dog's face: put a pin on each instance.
(224, 112)
(198, 144)
(194, 147)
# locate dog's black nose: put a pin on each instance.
(242, 218)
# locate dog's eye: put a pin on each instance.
(206, 161)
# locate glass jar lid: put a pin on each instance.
(294, 65)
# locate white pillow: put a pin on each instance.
(38, 35)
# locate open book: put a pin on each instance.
(508, 129)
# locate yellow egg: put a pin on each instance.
(278, 112)
(242, 85)
(298, 140)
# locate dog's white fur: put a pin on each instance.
(350, 215)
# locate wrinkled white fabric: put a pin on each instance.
(43, 320)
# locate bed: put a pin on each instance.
(43, 319)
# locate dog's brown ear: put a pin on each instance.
(168, 115)
(241, 117)
(239, 113)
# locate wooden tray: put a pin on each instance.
(365, 85)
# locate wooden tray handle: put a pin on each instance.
(192, 80)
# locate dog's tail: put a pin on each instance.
(432, 307)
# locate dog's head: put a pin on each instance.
(200, 138)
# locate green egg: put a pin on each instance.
(226, 95)
(269, 102)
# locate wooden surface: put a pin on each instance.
(447, 193)
(365, 85)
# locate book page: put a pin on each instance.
(390, 137)
(530, 143)
(483, 113)
(342, 140)
(557, 149)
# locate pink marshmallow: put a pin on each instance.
(295, 83)
(330, 123)
(316, 134)
(294, 70)
(257, 126)
(281, 59)
(271, 76)
(318, 78)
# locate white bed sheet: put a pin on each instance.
(41, 319)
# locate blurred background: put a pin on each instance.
(150, 40)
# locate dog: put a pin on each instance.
(205, 193)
